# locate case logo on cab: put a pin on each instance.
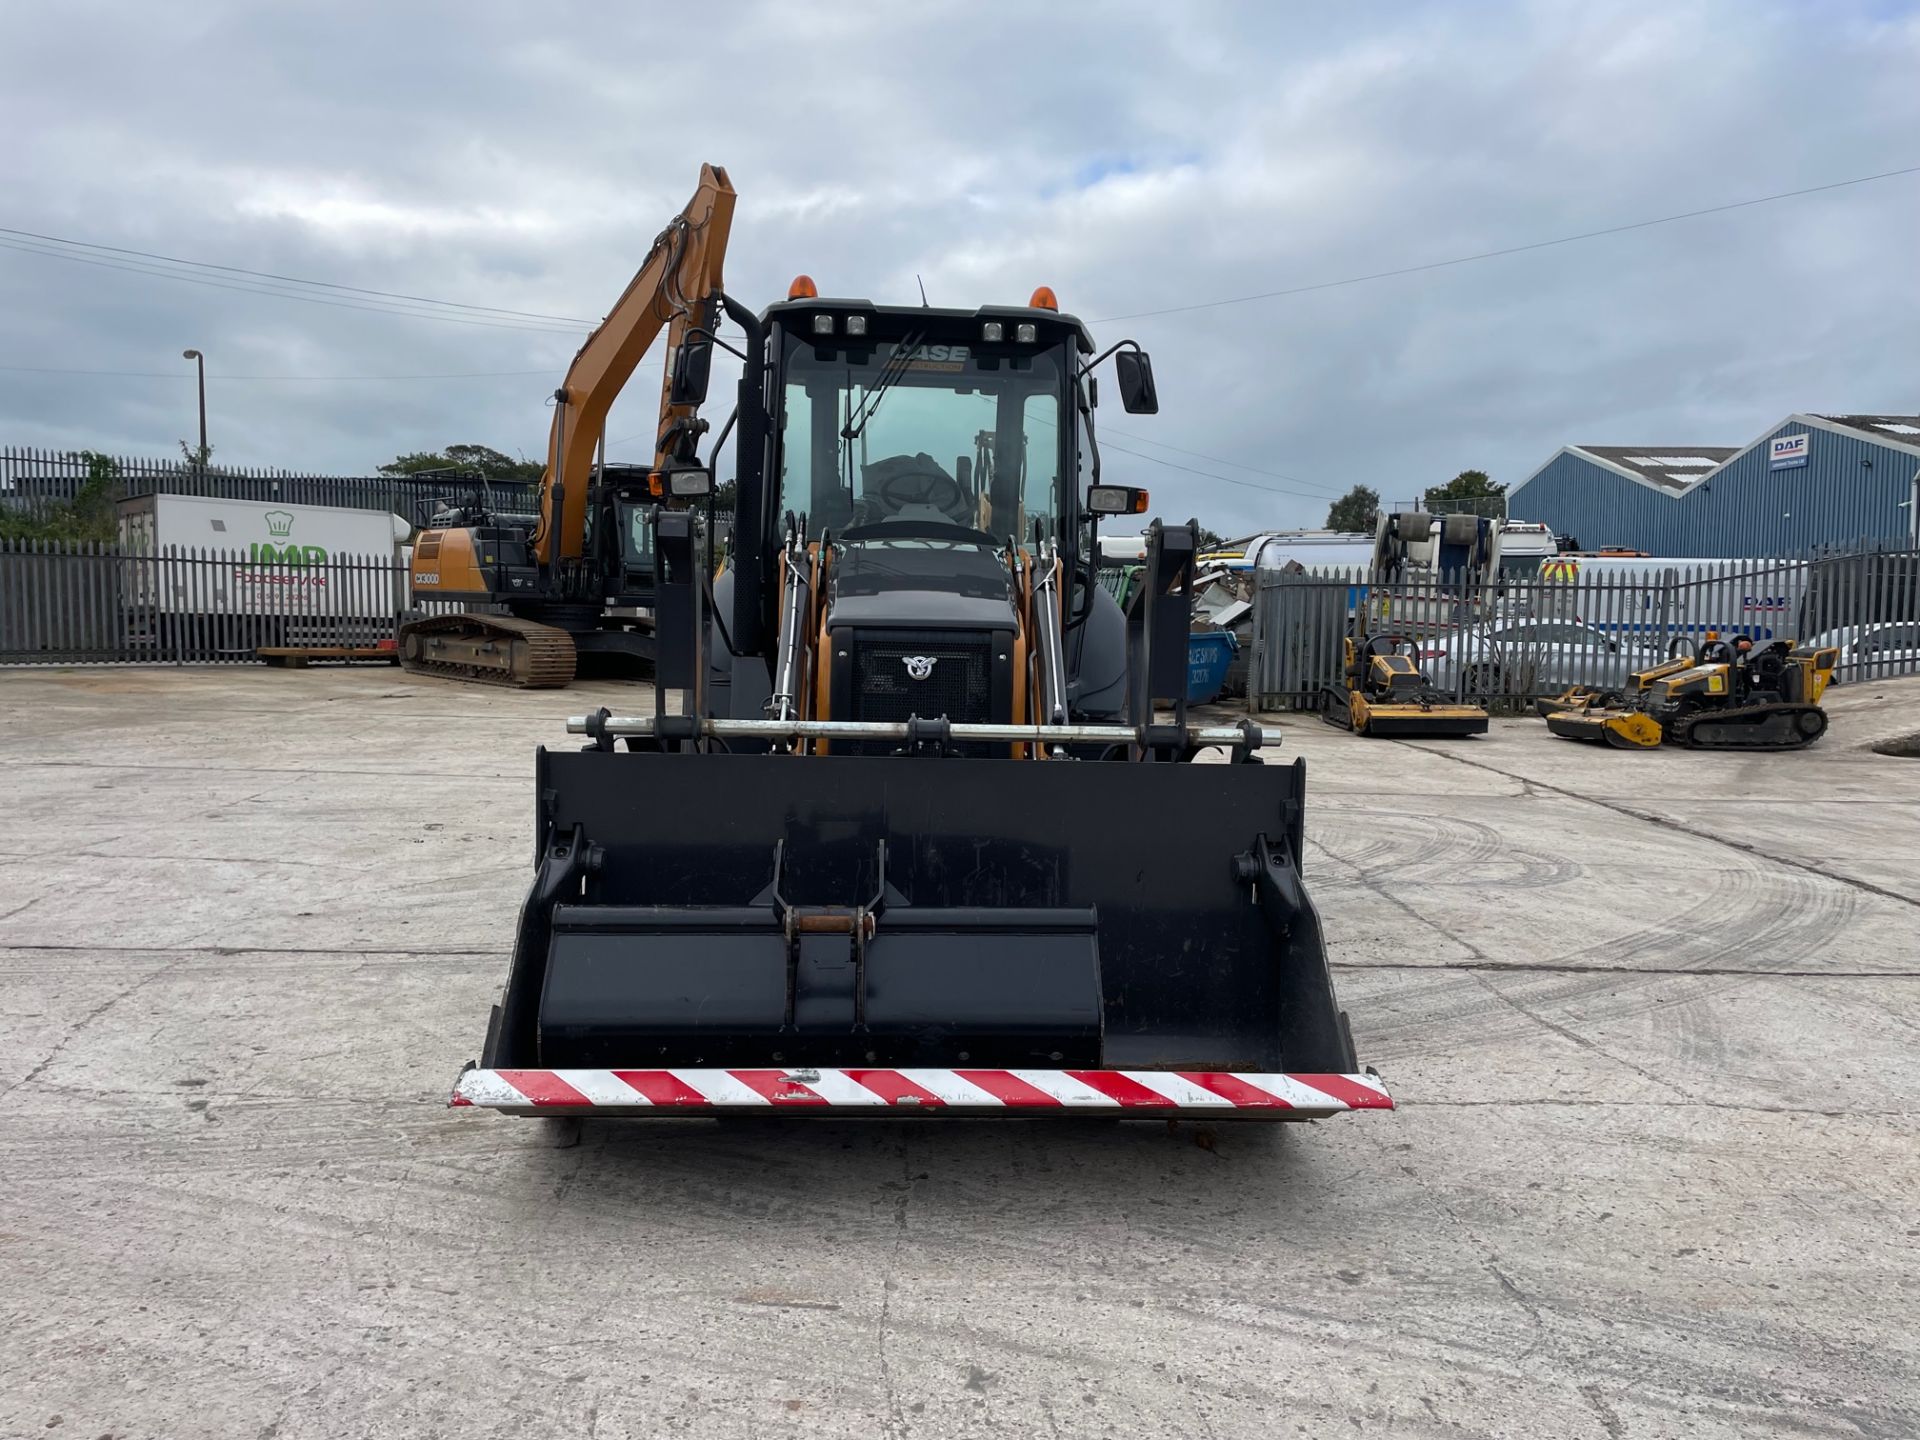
(919, 667)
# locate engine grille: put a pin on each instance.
(959, 687)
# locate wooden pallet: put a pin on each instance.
(298, 657)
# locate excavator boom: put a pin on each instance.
(671, 288)
(559, 592)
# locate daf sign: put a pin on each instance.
(1787, 452)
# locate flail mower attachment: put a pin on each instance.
(1578, 698)
(1624, 728)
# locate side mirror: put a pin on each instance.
(1134, 372)
(692, 365)
(1116, 500)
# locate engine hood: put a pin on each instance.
(920, 584)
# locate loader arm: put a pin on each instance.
(672, 288)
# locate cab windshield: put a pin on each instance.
(915, 433)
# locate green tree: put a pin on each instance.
(1353, 512)
(1470, 492)
(90, 515)
(482, 459)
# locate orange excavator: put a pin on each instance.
(579, 578)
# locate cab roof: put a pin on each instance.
(943, 318)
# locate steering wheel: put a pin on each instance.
(1393, 644)
(919, 487)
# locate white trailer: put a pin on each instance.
(1649, 594)
(1318, 552)
(237, 574)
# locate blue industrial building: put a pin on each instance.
(1812, 482)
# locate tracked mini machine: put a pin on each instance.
(1720, 695)
(911, 827)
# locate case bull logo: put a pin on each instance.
(919, 667)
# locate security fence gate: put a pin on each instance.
(87, 604)
(1579, 621)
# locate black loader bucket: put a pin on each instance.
(833, 934)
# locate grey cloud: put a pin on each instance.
(1129, 156)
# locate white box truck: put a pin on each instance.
(227, 576)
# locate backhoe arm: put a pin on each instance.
(671, 288)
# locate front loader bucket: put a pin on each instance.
(1622, 729)
(917, 935)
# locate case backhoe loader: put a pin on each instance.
(911, 827)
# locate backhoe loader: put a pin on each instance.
(911, 827)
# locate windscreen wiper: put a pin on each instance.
(895, 367)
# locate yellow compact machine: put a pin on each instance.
(1385, 694)
(1726, 695)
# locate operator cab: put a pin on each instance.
(625, 505)
(895, 424)
(923, 448)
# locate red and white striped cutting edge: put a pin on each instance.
(1144, 1094)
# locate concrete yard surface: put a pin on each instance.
(1650, 1019)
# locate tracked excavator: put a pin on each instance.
(913, 826)
(1718, 695)
(579, 578)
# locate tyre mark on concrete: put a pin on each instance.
(1775, 916)
(74, 1030)
(399, 772)
(1477, 978)
(1551, 967)
(1442, 850)
(1669, 823)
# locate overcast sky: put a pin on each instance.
(1133, 156)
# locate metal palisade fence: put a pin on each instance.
(1579, 620)
(80, 603)
(35, 483)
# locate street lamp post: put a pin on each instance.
(200, 371)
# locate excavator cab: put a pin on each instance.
(892, 839)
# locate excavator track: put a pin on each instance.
(1772, 726)
(489, 649)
